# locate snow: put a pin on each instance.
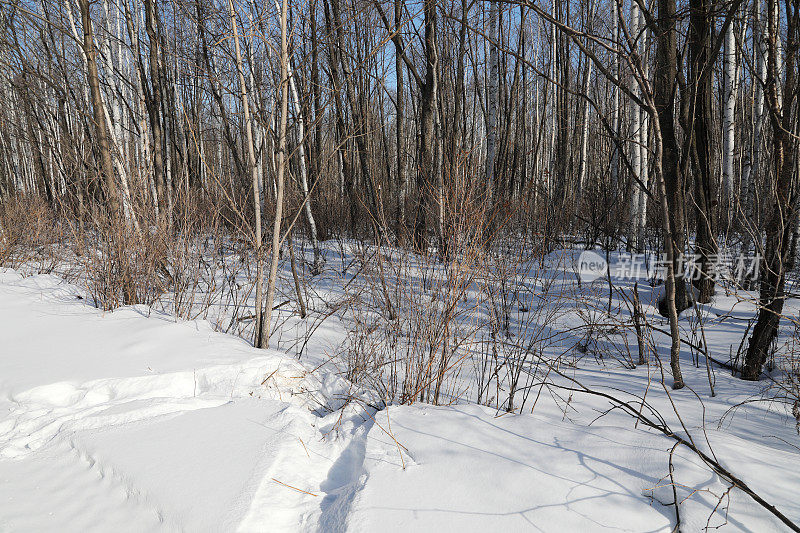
(165, 423)
(469, 469)
(41, 314)
(132, 421)
(508, 473)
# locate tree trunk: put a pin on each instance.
(730, 95)
(259, 335)
(666, 168)
(427, 179)
(491, 93)
(276, 226)
(752, 162)
(101, 132)
(400, 133)
(638, 199)
(780, 222)
(700, 105)
(316, 267)
(154, 103)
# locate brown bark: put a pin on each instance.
(700, 107)
(341, 126)
(400, 133)
(356, 109)
(101, 133)
(664, 86)
(780, 222)
(282, 159)
(427, 180)
(657, 105)
(154, 102)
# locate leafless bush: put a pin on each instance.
(523, 302)
(28, 230)
(121, 265)
(195, 258)
(409, 321)
(414, 317)
(118, 262)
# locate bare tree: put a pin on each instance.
(781, 99)
(276, 226)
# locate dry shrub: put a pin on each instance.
(416, 318)
(523, 303)
(178, 258)
(410, 322)
(28, 230)
(413, 316)
(118, 261)
(195, 257)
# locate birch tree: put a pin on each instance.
(260, 335)
(492, 98)
(730, 78)
(276, 226)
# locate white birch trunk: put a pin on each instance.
(615, 114)
(638, 149)
(730, 94)
(644, 135)
(491, 90)
(309, 216)
(584, 163)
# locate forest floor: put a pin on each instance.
(132, 420)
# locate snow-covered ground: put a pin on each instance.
(133, 421)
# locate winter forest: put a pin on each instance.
(438, 265)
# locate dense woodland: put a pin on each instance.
(434, 126)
